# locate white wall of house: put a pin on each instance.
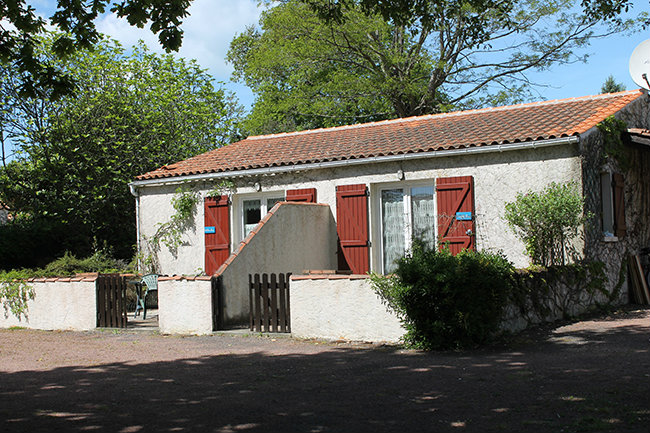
(58, 305)
(340, 308)
(498, 177)
(185, 306)
(295, 237)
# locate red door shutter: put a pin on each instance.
(352, 227)
(217, 232)
(307, 195)
(619, 205)
(456, 212)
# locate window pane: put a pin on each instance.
(392, 220)
(423, 214)
(252, 215)
(607, 203)
(271, 202)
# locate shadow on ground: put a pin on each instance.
(584, 380)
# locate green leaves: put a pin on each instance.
(317, 63)
(548, 222)
(131, 113)
(446, 301)
(75, 19)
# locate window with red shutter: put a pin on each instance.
(307, 195)
(217, 232)
(352, 227)
(456, 219)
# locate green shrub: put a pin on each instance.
(548, 222)
(15, 291)
(70, 265)
(445, 301)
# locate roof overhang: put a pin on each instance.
(272, 170)
(639, 136)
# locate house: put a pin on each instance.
(353, 197)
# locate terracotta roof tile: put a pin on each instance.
(462, 129)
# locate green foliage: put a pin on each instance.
(68, 264)
(131, 113)
(445, 301)
(302, 80)
(611, 86)
(612, 130)
(318, 63)
(548, 222)
(28, 241)
(406, 11)
(18, 46)
(15, 292)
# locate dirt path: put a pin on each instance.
(588, 376)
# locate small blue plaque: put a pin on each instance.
(210, 229)
(463, 216)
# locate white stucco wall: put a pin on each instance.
(498, 177)
(155, 208)
(338, 307)
(185, 306)
(58, 305)
(295, 237)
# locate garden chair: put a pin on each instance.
(150, 284)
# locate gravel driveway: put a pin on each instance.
(588, 376)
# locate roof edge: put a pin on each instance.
(359, 161)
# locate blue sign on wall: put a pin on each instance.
(210, 229)
(463, 216)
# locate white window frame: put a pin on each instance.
(378, 256)
(240, 227)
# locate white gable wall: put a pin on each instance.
(498, 177)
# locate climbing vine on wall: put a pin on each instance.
(613, 147)
(170, 232)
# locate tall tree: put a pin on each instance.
(130, 113)
(20, 26)
(611, 86)
(310, 72)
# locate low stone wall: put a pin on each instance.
(340, 307)
(58, 304)
(185, 305)
(563, 292)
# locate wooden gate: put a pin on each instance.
(269, 303)
(111, 301)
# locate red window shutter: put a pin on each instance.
(619, 205)
(352, 227)
(307, 195)
(217, 232)
(456, 219)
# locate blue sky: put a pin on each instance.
(213, 24)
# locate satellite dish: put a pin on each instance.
(640, 64)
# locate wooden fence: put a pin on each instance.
(269, 303)
(111, 301)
